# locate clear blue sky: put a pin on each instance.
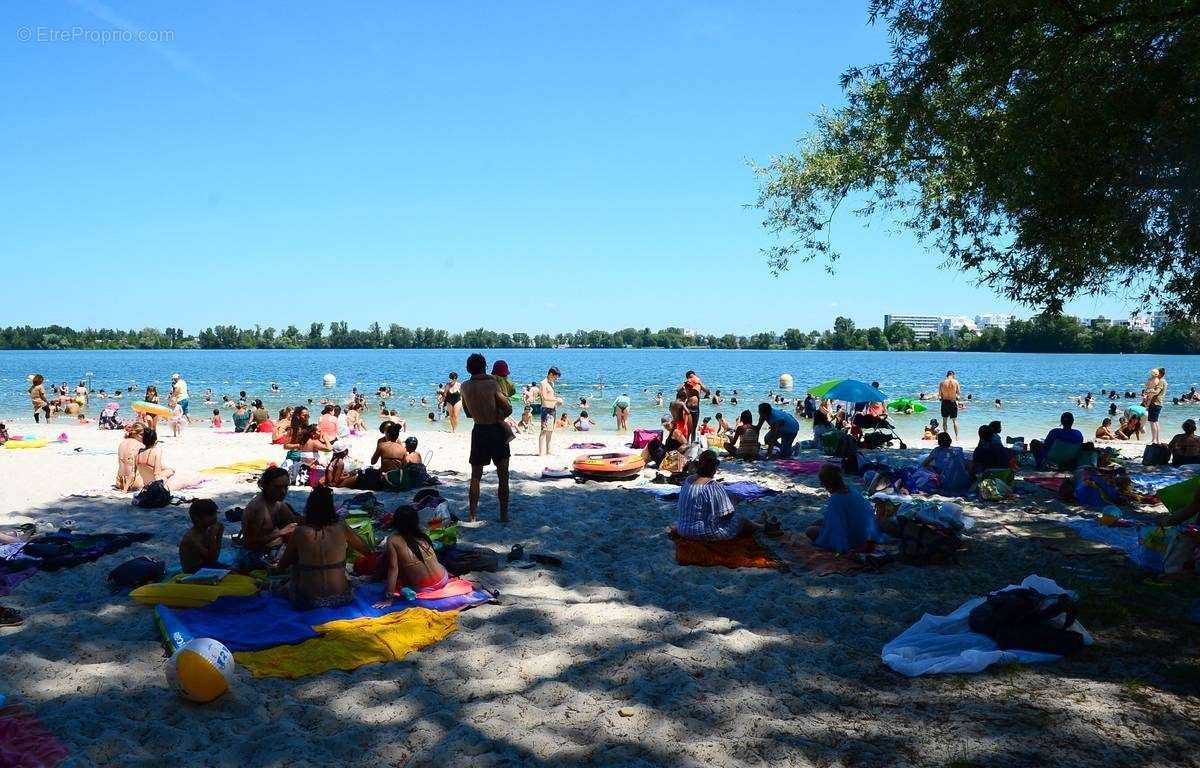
(520, 166)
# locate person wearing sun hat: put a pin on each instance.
(500, 374)
(1152, 398)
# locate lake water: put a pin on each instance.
(1034, 388)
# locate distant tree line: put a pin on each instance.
(1042, 333)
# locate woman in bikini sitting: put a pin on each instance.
(150, 466)
(316, 555)
(411, 559)
(128, 478)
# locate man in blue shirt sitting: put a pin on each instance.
(782, 429)
(1064, 434)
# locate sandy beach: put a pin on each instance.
(619, 657)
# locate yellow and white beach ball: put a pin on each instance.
(785, 380)
(202, 669)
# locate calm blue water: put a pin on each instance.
(1034, 388)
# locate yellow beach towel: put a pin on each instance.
(350, 643)
(255, 465)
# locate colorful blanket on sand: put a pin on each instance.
(265, 621)
(584, 446)
(1153, 480)
(66, 549)
(25, 742)
(799, 467)
(742, 552)
(742, 490)
(797, 551)
(351, 643)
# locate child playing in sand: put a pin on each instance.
(200, 547)
(216, 419)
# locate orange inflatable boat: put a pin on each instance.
(610, 466)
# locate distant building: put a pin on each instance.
(951, 323)
(1000, 321)
(1139, 322)
(1158, 321)
(924, 327)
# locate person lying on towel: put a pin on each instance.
(316, 555)
(849, 522)
(705, 511)
(411, 559)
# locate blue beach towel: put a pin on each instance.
(265, 621)
(742, 490)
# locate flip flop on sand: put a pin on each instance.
(10, 618)
(473, 523)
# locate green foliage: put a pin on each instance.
(1051, 148)
(1043, 333)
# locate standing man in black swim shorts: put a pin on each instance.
(948, 392)
(487, 406)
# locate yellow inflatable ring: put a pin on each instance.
(154, 409)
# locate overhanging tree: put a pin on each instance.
(1052, 148)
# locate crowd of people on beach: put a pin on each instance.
(314, 440)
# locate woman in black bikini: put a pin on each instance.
(453, 397)
(316, 554)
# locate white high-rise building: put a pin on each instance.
(993, 320)
(1139, 322)
(951, 323)
(924, 326)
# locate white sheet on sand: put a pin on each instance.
(946, 644)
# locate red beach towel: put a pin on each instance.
(742, 552)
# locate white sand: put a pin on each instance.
(712, 666)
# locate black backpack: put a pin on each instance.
(152, 496)
(464, 558)
(1026, 619)
(136, 572)
(922, 543)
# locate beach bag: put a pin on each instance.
(994, 489)
(643, 437)
(460, 559)
(136, 572)
(1156, 455)
(1028, 620)
(153, 496)
(372, 565)
(923, 544)
(673, 461)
